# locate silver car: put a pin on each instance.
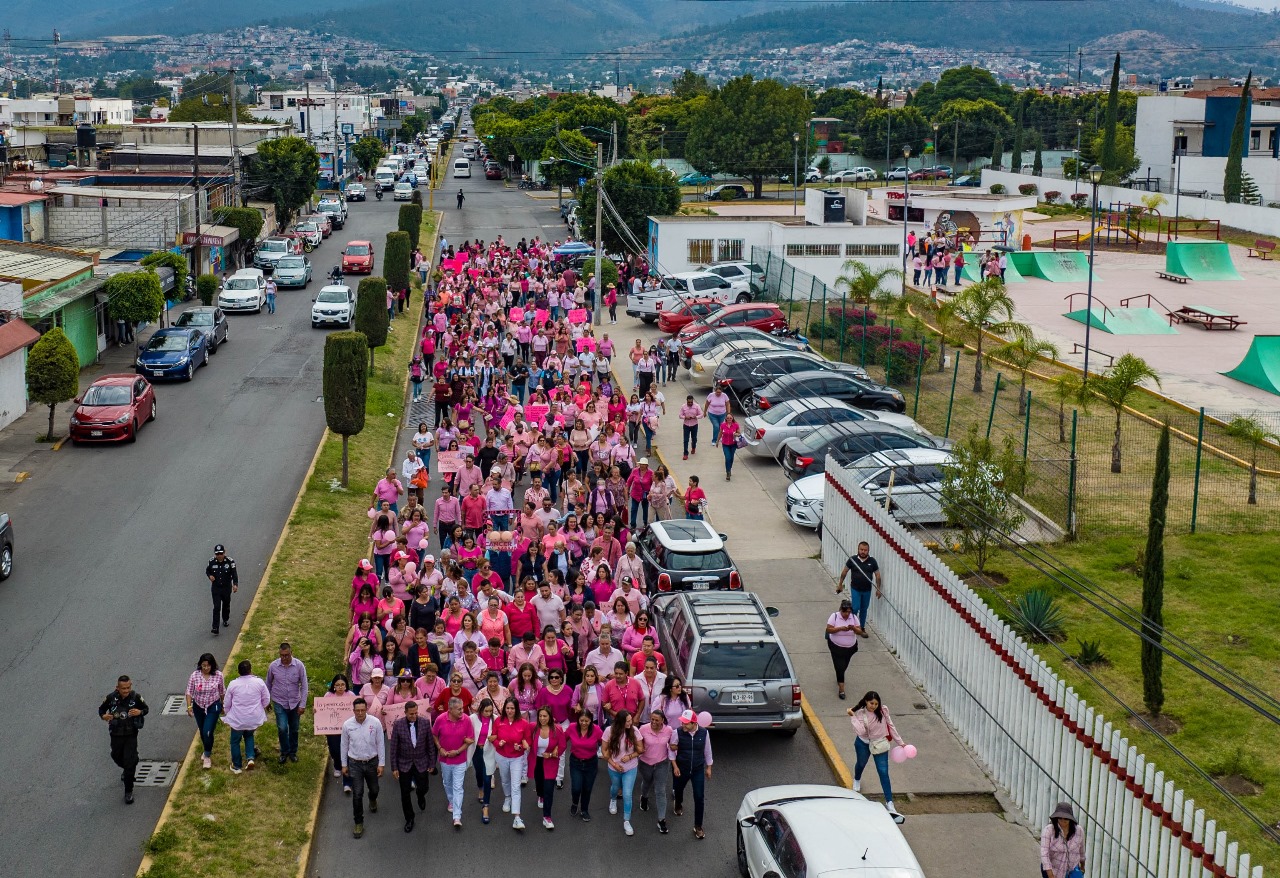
(293, 271)
(768, 431)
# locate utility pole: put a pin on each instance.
(1079, 64)
(599, 296)
(57, 83)
(235, 145)
(613, 137)
(195, 186)
(306, 113)
(335, 135)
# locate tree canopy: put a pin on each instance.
(134, 296)
(285, 171)
(53, 371)
(368, 152)
(345, 386)
(637, 190)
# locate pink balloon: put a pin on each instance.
(898, 754)
(373, 513)
(910, 751)
(704, 719)
(422, 544)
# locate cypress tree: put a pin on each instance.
(1109, 162)
(1037, 164)
(410, 222)
(1233, 179)
(372, 317)
(880, 91)
(396, 260)
(53, 372)
(1015, 162)
(997, 152)
(1153, 582)
(345, 386)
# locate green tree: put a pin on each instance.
(746, 129)
(1019, 134)
(1115, 386)
(997, 151)
(894, 129)
(1153, 582)
(980, 122)
(570, 151)
(368, 152)
(1108, 153)
(1249, 193)
(1037, 163)
(177, 264)
(1022, 353)
(285, 171)
(987, 307)
(346, 385)
(862, 283)
(690, 85)
(978, 496)
(211, 108)
(1068, 389)
(1126, 158)
(247, 221)
(207, 288)
(372, 318)
(1251, 430)
(410, 222)
(134, 296)
(53, 372)
(636, 190)
(397, 261)
(966, 82)
(1232, 182)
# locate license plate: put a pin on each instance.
(95, 432)
(742, 698)
(157, 372)
(701, 586)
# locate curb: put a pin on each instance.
(828, 747)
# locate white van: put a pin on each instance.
(462, 168)
(385, 179)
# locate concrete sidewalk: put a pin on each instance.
(953, 808)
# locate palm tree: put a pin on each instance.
(1068, 388)
(948, 323)
(987, 307)
(862, 283)
(1251, 430)
(1022, 353)
(1116, 385)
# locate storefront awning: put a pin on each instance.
(211, 236)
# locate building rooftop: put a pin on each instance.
(34, 262)
(117, 192)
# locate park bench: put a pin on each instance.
(1262, 249)
(1209, 318)
(1173, 276)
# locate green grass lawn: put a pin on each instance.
(257, 824)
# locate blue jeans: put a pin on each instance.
(206, 722)
(729, 451)
(380, 566)
(637, 506)
(861, 604)
(959, 270)
(716, 421)
(271, 303)
(454, 777)
(236, 737)
(696, 776)
(287, 728)
(582, 777)
(519, 388)
(648, 437)
(626, 782)
(417, 388)
(882, 766)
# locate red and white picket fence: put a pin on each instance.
(1037, 738)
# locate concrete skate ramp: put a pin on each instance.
(1261, 365)
(1126, 321)
(1200, 260)
(1054, 266)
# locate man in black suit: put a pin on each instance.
(123, 711)
(413, 755)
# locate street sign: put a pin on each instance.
(348, 128)
(511, 159)
(389, 124)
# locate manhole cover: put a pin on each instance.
(151, 773)
(174, 705)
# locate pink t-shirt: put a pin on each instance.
(717, 403)
(656, 744)
(451, 734)
(584, 746)
(558, 702)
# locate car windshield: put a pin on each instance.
(684, 563)
(740, 661)
(167, 343)
(306, 227)
(242, 283)
(357, 251)
(195, 318)
(107, 394)
(290, 262)
(272, 247)
(332, 296)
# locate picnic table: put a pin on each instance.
(1209, 318)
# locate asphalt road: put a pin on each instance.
(109, 574)
(742, 762)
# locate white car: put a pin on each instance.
(246, 290)
(335, 305)
(746, 278)
(703, 366)
(403, 192)
(851, 175)
(819, 832)
(914, 495)
(767, 431)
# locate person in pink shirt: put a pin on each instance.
(622, 748)
(388, 489)
(717, 407)
(364, 602)
(584, 738)
(429, 685)
(690, 414)
(364, 575)
(634, 636)
(638, 485)
(511, 737)
(454, 740)
(546, 745)
(654, 774)
(874, 727)
(621, 693)
(730, 430)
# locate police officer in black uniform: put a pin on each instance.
(123, 711)
(224, 580)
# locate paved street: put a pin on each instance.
(743, 762)
(110, 555)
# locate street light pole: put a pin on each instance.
(1095, 177)
(935, 146)
(1079, 128)
(1178, 149)
(795, 174)
(906, 197)
(599, 296)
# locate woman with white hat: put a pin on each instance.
(1062, 845)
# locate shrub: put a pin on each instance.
(1079, 198)
(1052, 196)
(207, 288)
(998, 189)
(851, 314)
(1091, 654)
(1027, 189)
(902, 359)
(53, 372)
(877, 338)
(1037, 617)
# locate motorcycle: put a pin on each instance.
(377, 193)
(787, 332)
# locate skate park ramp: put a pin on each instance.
(1053, 266)
(1126, 321)
(1200, 260)
(1011, 273)
(1261, 364)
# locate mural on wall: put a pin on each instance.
(951, 221)
(1007, 228)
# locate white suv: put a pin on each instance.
(746, 278)
(851, 175)
(909, 479)
(334, 306)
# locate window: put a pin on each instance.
(1255, 140)
(758, 660)
(870, 251)
(813, 249)
(700, 250)
(728, 250)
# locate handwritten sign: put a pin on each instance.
(507, 420)
(578, 315)
(536, 412)
(391, 713)
(586, 343)
(517, 315)
(331, 712)
(450, 461)
(541, 316)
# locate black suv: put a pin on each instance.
(843, 386)
(846, 442)
(685, 554)
(743, 372)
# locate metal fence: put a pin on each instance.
(1066, 453)
(1038, 738)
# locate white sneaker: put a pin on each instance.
(506, 806)
(337, 773)
(517, 823)
(235, 770)
(893, 812)
(613, 806)
(857, 786)
(626, 827)
(206, 762)
(547, 824)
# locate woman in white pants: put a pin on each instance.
(511, 737)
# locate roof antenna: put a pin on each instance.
(864, 853)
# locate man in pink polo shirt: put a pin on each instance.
(621, 692)
(454, 736)
(690, 415)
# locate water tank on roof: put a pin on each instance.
(86, 137)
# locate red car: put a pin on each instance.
(763, 316)
(113, 409)
(357, 258)
(688, 311)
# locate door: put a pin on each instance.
(764, 842)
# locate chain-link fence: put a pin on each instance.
(1066, 456)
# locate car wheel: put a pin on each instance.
(191, 373)
(6, 562)
(743, 870)
(742, 297)
(152, 415)
(133, 433)
(205, 360)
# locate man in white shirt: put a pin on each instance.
(363, 758)
(549, 607)
(604, 657)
